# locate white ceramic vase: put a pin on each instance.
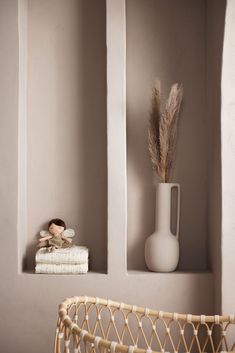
(162, 247)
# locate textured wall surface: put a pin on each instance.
(228, 158)
(29, 302)
(67, 121)
(215, 36)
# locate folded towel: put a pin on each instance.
(73, 255)
(62, 268)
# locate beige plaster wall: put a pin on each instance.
(215, 33)
(29, 302)
(9, 49)
(66, 122)
(228, 158)
(167, 39)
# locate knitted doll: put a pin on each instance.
(57, 236)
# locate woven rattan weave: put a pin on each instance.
(88, 324)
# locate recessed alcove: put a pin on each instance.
(176, 41)
(66, 124)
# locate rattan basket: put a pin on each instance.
(89, 324)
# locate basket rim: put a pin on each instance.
(66, 320)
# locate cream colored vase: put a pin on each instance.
(162, 247)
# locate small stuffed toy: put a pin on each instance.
(57, 236)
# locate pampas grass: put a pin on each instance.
(162, 130)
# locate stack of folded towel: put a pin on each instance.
(72, 260)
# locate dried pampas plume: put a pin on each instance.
(162, 130)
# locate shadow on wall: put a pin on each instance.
(93, 132)
(29, 258)
(215, 35)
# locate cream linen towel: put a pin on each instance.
(62, 268)
(73, 255)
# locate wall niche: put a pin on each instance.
(66, 123)
(176, 41)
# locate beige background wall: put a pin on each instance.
(228, 155)
(29, 302)
(215, 35)
(66, 139)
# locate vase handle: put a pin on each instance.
(178, 209)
